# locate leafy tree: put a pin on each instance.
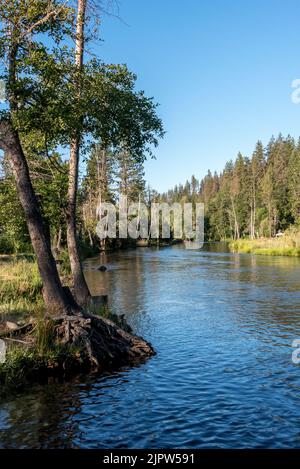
(25, 57)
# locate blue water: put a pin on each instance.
(222, 325)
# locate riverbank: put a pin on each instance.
(286, 245)
(39, 347)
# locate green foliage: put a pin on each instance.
(14, 236)
(47, 110)
(14, 371)
(109, 174)
(251, 197)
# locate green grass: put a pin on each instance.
(286, 245)
(20, 288)
(37, 354)
(24, 365)
(36, 357)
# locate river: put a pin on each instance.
(223, 377)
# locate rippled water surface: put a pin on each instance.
(222, 325)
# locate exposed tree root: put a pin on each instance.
(97, 342)
(101, 342)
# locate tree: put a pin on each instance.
(21, 22)
(96, 188)
(129, 174)
(49, 179)
(80, 285)
(257, 171)
(252, 196)
(293, 184)
(14, 236)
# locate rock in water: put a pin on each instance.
(102, 268)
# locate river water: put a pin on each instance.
(223, 377)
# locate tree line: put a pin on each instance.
(253, 196)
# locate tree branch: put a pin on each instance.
(51, 14)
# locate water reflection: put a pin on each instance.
(48, 415)
(222, 325)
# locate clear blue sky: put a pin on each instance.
(221, 71)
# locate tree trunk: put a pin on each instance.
(58, 242)
(90, 238)
(270, 219)
(81, 289)
(254, 216)
(253, 208)
(236, 225)
(53, 293)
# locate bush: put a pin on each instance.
(6, 246)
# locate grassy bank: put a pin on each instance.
(286, 245)
(26, 365)
(34, 350)
(20, 289)
(20, 302)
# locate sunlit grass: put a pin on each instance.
(286, 245)
(20, 288)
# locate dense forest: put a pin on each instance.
(253, 196)
(107, 174)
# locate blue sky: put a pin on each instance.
(221, 71)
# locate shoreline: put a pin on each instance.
(40, 347)
(78, 346)
(285, 246)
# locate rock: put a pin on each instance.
(12, 326)
(102, 268)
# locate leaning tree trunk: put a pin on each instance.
(54, 295)
(80, 286)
